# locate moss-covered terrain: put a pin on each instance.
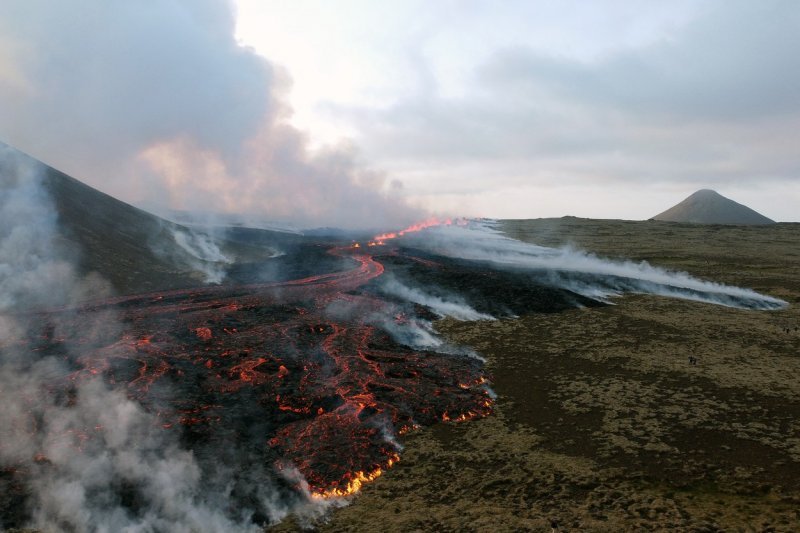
(602, 423)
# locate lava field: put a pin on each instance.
(307, 375)
(298, 372)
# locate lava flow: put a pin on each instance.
(266, 367)
(381, 239)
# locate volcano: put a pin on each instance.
(297, 371)
(288, 379)
(709, 207)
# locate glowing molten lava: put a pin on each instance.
(419, 226)
(264, 368)
(354, 484)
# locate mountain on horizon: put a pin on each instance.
(709, 207)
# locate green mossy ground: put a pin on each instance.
(602, 424)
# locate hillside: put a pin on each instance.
(709, 207)
(137, 251)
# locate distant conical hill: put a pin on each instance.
(709, 207)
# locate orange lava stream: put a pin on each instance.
(216, 336)
(381, 239)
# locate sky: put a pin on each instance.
(362, 113)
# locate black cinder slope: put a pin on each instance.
(112, 237)
(134, 250)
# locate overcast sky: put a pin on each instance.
(355, 111)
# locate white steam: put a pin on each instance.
(203, 253)
(580, 271)
(32, 271)
(453, 306)
(91, 458)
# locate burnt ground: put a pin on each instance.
(301, 374)
(487, 290)
(260, 378)
(601, 423)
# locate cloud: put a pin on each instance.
(157, 103)
(712, 103)
(733, 64)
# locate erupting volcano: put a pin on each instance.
(291, 382)
(288, 384)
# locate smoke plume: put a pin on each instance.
(157, 104)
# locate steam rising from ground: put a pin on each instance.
(580, 271)
(96, 460)
(203, 253)
(452, 306)
(33, 270)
